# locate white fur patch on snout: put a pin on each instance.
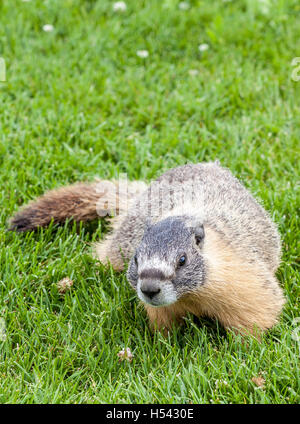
(166, 296)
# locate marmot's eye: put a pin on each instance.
(182, 260)
(135, 259)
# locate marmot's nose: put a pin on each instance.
(150, 289)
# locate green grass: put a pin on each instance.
(78, 102)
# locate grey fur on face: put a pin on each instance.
(168, 261)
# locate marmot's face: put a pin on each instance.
(168, 263)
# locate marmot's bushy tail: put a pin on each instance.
(80, 202)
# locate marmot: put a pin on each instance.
(196, 241)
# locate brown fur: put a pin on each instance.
(241, 296)
(109, 253)
(80, 202)
(77, 201)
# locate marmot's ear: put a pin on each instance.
(199, 234)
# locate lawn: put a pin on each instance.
(80, 101)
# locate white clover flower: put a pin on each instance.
(142, 53)
(193, 72)
(119, 6)
(64, 285)
(264, 6)
(203, 47)
(125, 354)
(219, 383)
(183, 5)
(48, 28)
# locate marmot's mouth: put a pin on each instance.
(157, 305)
(163, 295)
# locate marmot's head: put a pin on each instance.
(168, 262)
